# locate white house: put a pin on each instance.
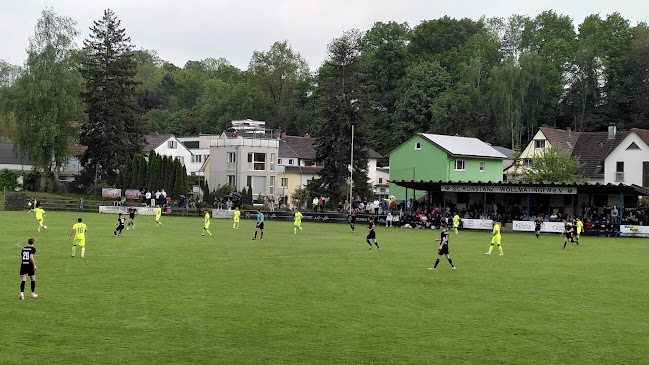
(169, 145)
(628, 161)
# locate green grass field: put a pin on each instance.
(168, 295)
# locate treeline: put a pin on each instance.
(156, 173)
(496, 79)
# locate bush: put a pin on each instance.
(31, 180)
(8, 179)
(95, 190)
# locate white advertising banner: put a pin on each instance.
(509, 189)
(132, 194)
(111, 192)
(110, 209)
(629, 230)
(222, 214)
(476, 223)
(528, 226)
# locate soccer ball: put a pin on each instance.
(44, 227)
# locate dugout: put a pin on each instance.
(528, 198)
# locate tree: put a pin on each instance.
(384, 60)
(114, 129)
(553, 166)
(553, 38)
(276, 73)
(48, 103)
(636, 66)
(340, 104)
(418, 89)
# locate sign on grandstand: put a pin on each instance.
(638, 231)
(222, 214)
(477, 224)
(510, 189)
(528, 226)
(111, 209)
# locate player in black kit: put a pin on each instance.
(352, 220)
(372, 234)
(120, 225)
(538, 223)
(443, 248)
(131, 216)
(28, 268)
(568, 232)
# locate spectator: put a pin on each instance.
(316, 201)
(388, 220)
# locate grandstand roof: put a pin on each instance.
(583, 188)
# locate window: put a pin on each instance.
(290, 161)
(181, 158)
(272, 162)
(193, 173)
(285, 182)
(272, 185)
(231, 180)
(256, 162)
(539, 144)
(249, 181)
(481, 166)
(459, 165)
(527, 163)
(197, 158)
(380, 180)
(232, 161)
(417, 146)
(171, 144)
(279, 161)
(633, 146)
(382, 190)
(619, 171)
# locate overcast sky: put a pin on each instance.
(196, 29)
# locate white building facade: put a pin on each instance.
(244, 162)
(628, 162)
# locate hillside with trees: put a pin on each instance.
(497, 79)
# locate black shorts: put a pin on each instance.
(27, 270)
(443, 250)
(569, 235)
(352, 220)
(537, 229)
(371, 235)
(120, 228)
(260, 225)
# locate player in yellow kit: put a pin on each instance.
(237, 215)
(40, 214)
(580, 228)
(158, 214)
(456, 222)
(495, 239)
(298, 221)
(206, 224)
(79, 229)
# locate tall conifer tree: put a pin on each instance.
(114, 129)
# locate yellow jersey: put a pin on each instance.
(207, 218)
(79, 231)
(158, 212)
(39, 213)
(237, 214)
(298, 216)
(496, 230)
(580, 226)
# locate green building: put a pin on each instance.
(443, 158)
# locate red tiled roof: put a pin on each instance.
(561, 138)
(591, 150)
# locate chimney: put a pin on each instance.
(569, 131)
(611, 131)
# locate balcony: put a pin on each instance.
(619, 177)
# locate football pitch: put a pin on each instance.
(168, 295)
